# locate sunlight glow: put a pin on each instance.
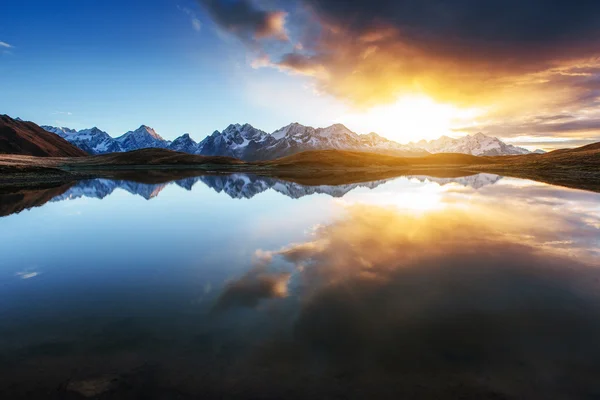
(420, 198)
(411, 118)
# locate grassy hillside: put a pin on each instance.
(26, 138)
(151, 157)
(354, 159)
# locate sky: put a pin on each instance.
(526, 72)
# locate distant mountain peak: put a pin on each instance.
(478, 144)
(339, 126)
(148, 130)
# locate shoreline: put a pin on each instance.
(29, 177)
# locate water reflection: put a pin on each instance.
(483, 303)
(236, 186)
(417, 287)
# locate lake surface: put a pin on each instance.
(246, 287)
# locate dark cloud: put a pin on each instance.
(243, 19)
(463, 50)
(495, 25)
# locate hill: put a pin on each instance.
(26, 138)
(151, 157)
(361, 159)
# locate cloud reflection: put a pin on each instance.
(485, 298)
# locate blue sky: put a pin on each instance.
(397, 68)
(118, 65)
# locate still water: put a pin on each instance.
(246, 287)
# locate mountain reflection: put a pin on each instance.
(246, 186)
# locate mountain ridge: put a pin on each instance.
(245, 142)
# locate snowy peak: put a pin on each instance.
(235, 141)
(185, 144)
(141, 132)
(142, 138)
(291, 130)
(60, 131)
(92, 140)
(336, 130)
(243, 141)
(242, 133)
(92, 132)
(478, 144)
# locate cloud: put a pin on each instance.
(243, 19)
(462, 52)
(5, 45)
(196, 24)
(456, 49)
(27, 274)
(256, 285)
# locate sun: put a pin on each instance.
(411, 118)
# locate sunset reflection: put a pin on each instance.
(483, 295)
(372, 241)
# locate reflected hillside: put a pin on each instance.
(15, 201)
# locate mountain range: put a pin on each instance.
(248, 143)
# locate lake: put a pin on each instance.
(237, 286)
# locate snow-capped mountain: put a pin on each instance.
(62, 132)
(250, 144)
(295, 138)
(142, 138)
(184, 144)
(477, 145)
(240, 141)
(92, 141)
